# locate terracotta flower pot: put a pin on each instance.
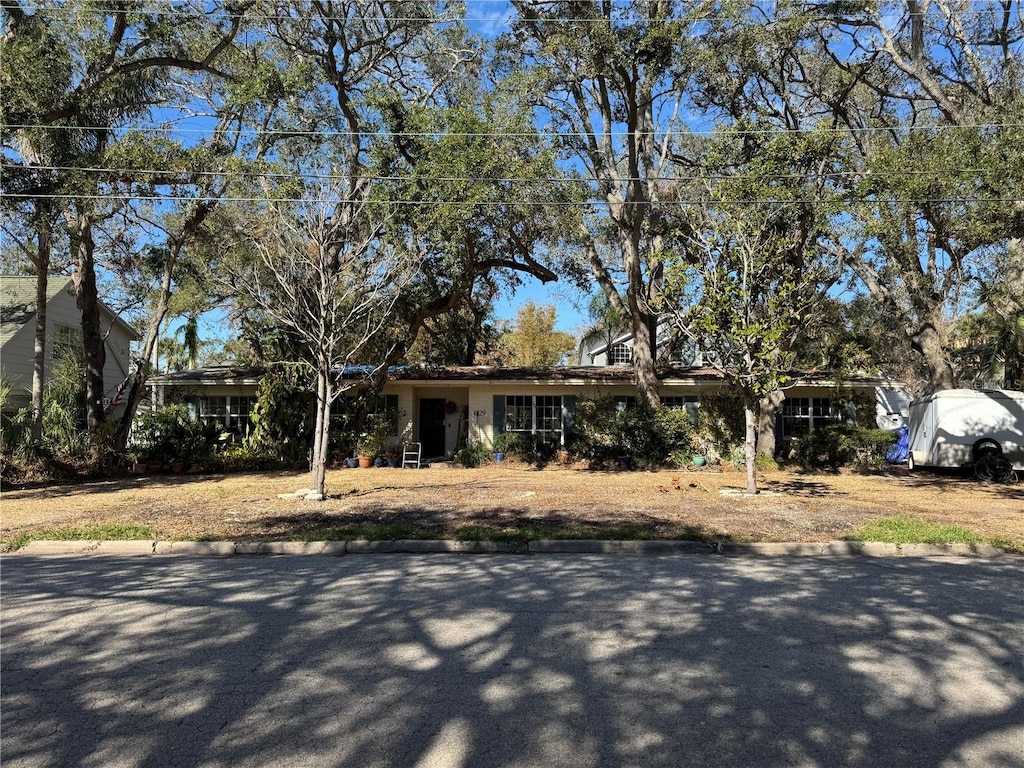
(365, 462)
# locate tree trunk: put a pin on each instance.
(147, 359)
(643, 361)
(766, 443)
(92, 335)
(750, 416)
(39, 351)
(927, 341)
(321, 430)
(643, 348)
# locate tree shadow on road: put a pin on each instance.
(502, 661)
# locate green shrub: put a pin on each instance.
(64, 416)
(240, 458)
(524, 446)
(720, 417)
(650, 438)
(172, 433)
(473, 455)
(512, 444)
(283, 417)
(14, 426)
(840, 445)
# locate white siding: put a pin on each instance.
(16, 358)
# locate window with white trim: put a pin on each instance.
(620, 354)
(213, 409)
(533, 413)
(800, 415)
(239, 408)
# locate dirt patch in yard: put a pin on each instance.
(442, 501)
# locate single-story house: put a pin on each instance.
(446, 407)
(63, 327)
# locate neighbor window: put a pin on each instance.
(688, 403)
(213, 410)
(620, 354)
(239, 408)
(67, 340)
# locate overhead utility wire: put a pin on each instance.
(496, 203)
(513, 134)
(103, 6)
(524, 180)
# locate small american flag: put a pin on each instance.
(118, 397)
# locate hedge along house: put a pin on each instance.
(447, 407)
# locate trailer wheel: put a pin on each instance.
(985, 447)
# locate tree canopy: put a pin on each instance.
(868, 152)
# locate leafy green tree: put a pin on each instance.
(465, 335)
(73, 79)
(610, 81)
(740, 293)
(988, 343)
(483, 207)
(533, 340)
(930, 94)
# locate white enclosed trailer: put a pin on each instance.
(955, 427)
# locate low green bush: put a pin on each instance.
(473, 455)
(172, 433)
(843, 445)
(649, 438)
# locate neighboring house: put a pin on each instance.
(63, 326)
(892, 400)
(445, 407)
(595, 349)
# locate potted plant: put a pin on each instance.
(137, 464)
(501, 444)
(364, 450)
(699, 445)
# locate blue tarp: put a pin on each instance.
(899, 453)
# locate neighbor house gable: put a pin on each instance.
(63, 321)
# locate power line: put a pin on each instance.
(895, 172)
(497, 203)
(680, 132)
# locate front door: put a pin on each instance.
(432, 431)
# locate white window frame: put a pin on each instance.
(534, 414)
(814, 412)
(620, 354)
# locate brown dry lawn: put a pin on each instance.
(511, 498)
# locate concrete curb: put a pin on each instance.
(597, 546)
(539, 547)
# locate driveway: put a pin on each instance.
(441, 660)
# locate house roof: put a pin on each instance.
(230, 375)
(18, 303)
(239, 375)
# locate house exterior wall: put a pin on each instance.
(62, 314)
(472, 419)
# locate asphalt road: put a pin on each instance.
(449, 660)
